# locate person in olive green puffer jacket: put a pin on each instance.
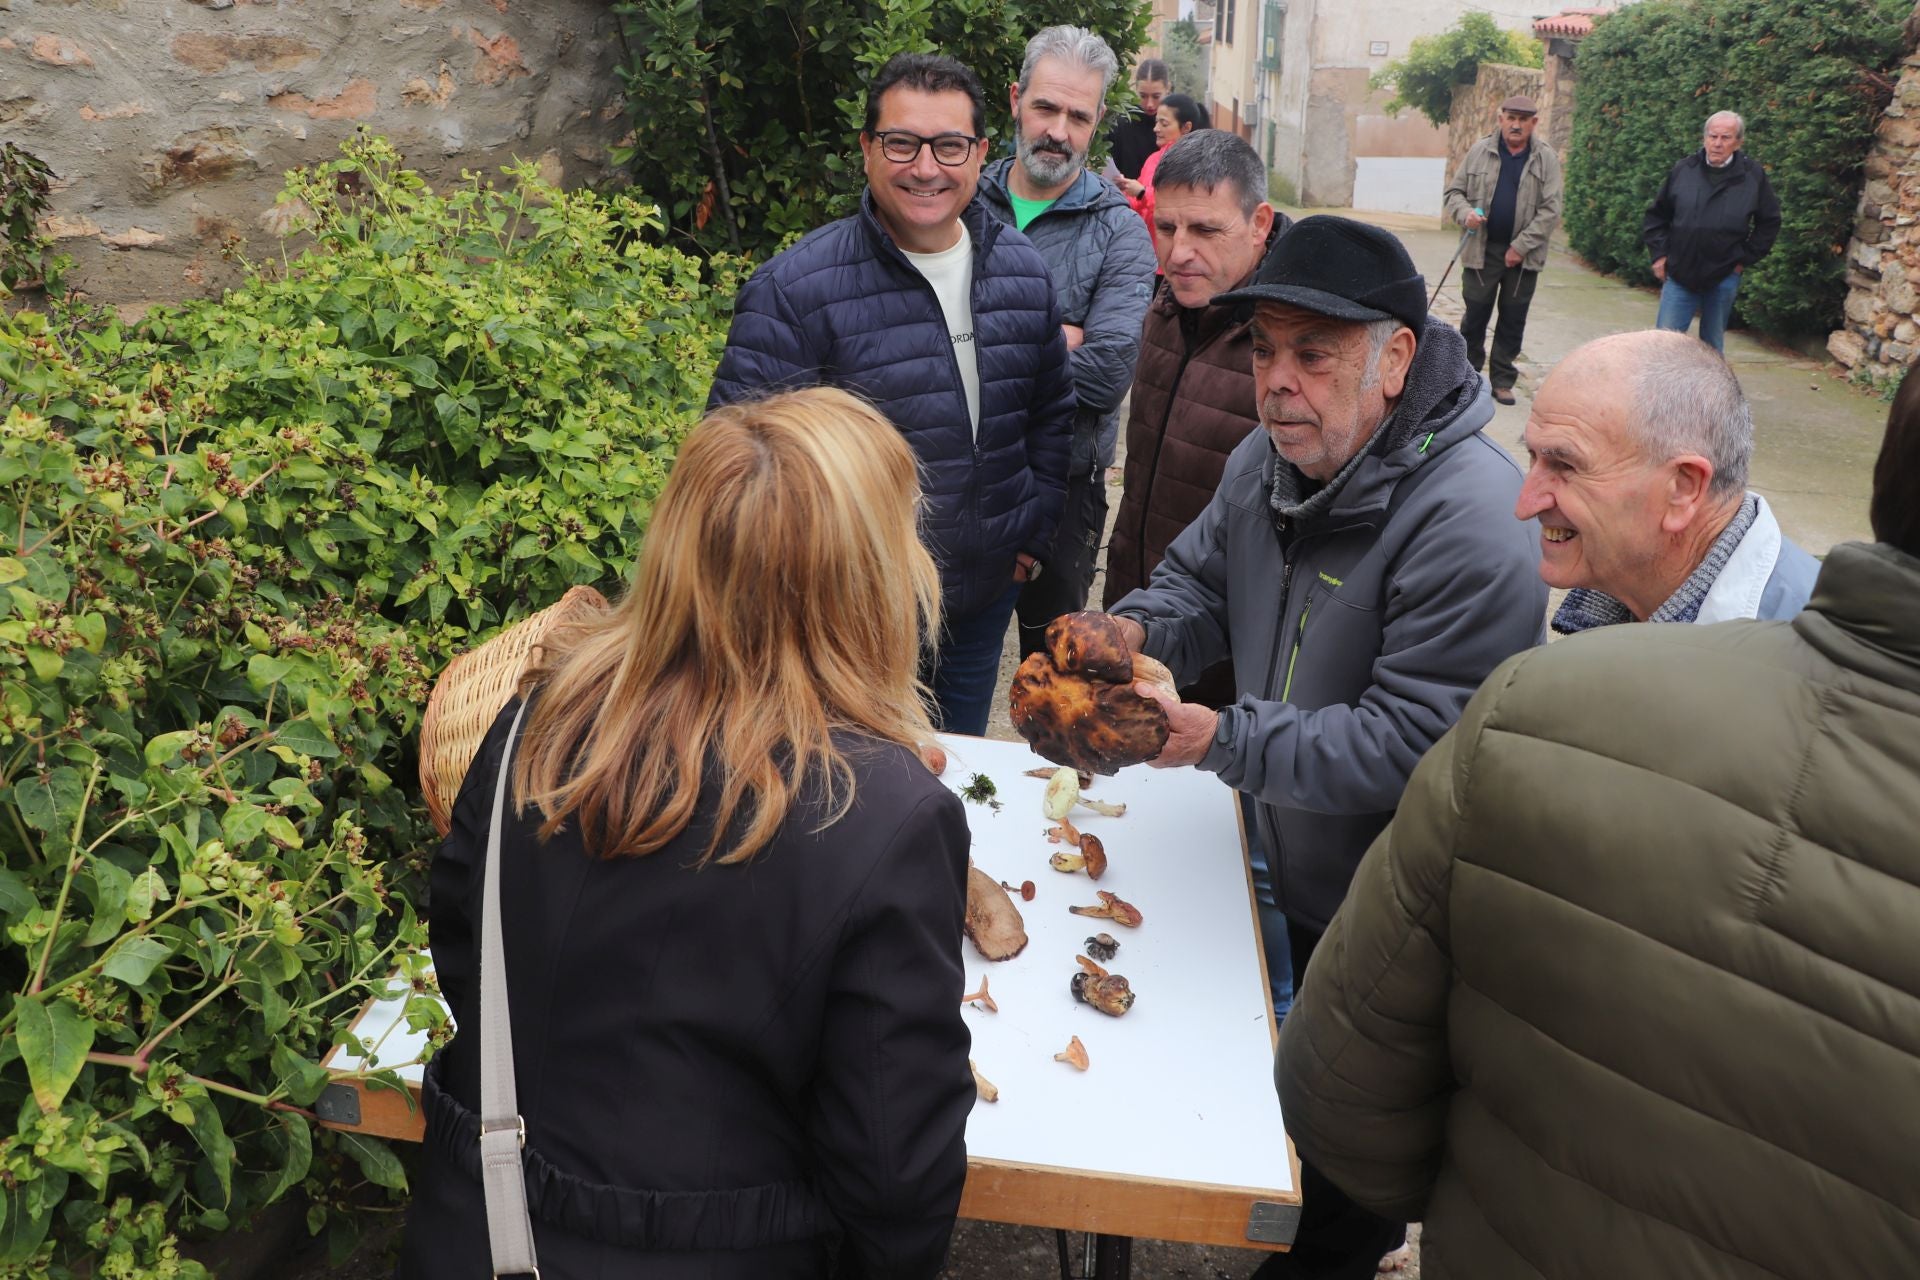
(1631, 986)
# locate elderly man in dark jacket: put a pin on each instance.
(1101, 260)
(1359, 564)
(944, 317)
(1714, 216)
(1629, 988)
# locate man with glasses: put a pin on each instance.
(945, 318)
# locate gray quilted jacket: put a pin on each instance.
(1101, 259)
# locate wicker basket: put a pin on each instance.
(471, 691)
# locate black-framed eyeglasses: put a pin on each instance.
(949, 149)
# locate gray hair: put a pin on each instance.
(1075, 46)
(1379, 334)
(1739, 124)
(1686, 400)
(1206, 158)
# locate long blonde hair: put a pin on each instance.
(782, 594)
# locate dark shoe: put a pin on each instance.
(1503, 395)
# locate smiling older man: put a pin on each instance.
(945, 318)
(1639, 446)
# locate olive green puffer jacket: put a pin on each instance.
(1631, 986)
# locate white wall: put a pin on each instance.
(1399, 184)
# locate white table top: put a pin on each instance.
(1179, 1089)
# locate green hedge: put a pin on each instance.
(240, 539)
(1811, 78)
(746, 116)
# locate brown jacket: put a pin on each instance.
(1192, 404)
(1630, 986)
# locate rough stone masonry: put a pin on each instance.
(169, 122)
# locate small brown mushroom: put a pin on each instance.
(1112, 908)
(1095, 854)
(1107, 992)
(1074, 1055)
(987, 1089)
(981, 997)
(1027, 891)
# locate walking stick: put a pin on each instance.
(1457, 251)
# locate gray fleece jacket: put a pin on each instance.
(1101, 260)
(1360, 616)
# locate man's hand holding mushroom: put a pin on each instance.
(1190, 726)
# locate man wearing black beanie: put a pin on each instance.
(1361, 566)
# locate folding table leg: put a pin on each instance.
(1112, 1257)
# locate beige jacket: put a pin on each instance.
(1536, 211)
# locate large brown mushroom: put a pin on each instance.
(1074, 701)
(992, 921)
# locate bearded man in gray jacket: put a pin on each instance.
(1101, 261)
(1360, 565)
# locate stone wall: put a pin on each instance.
(1558, 88)
(169, 122)
(1882, 333)
(1476, 106)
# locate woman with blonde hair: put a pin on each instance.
(731, 892)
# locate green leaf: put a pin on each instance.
(264, 669)
(147, 888)
(299, 1140)
(211, 1135)
(11, 570)
(134, 960)
(376, 1160)
(110, 885)
(45, 662)
(54, 1039)
(305, 737)
(15, 898)
(241, 823)
(92, 630)
(166, 746)
(302, 1078)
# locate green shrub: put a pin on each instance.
(26, 253)
(1425, 79)
(1810, 78)
(239, 540)
(745, 118)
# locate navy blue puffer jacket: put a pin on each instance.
(845, 308)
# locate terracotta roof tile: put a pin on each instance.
(1569, 23)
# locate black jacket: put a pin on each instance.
(845, 308)
(1704, 231)
(1132, 140)
(720, 1069)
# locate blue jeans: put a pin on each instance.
(1273, 921)
(966, 666)
(1678, 305)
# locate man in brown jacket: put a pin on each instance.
(1193, 398)
(1629, 987)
